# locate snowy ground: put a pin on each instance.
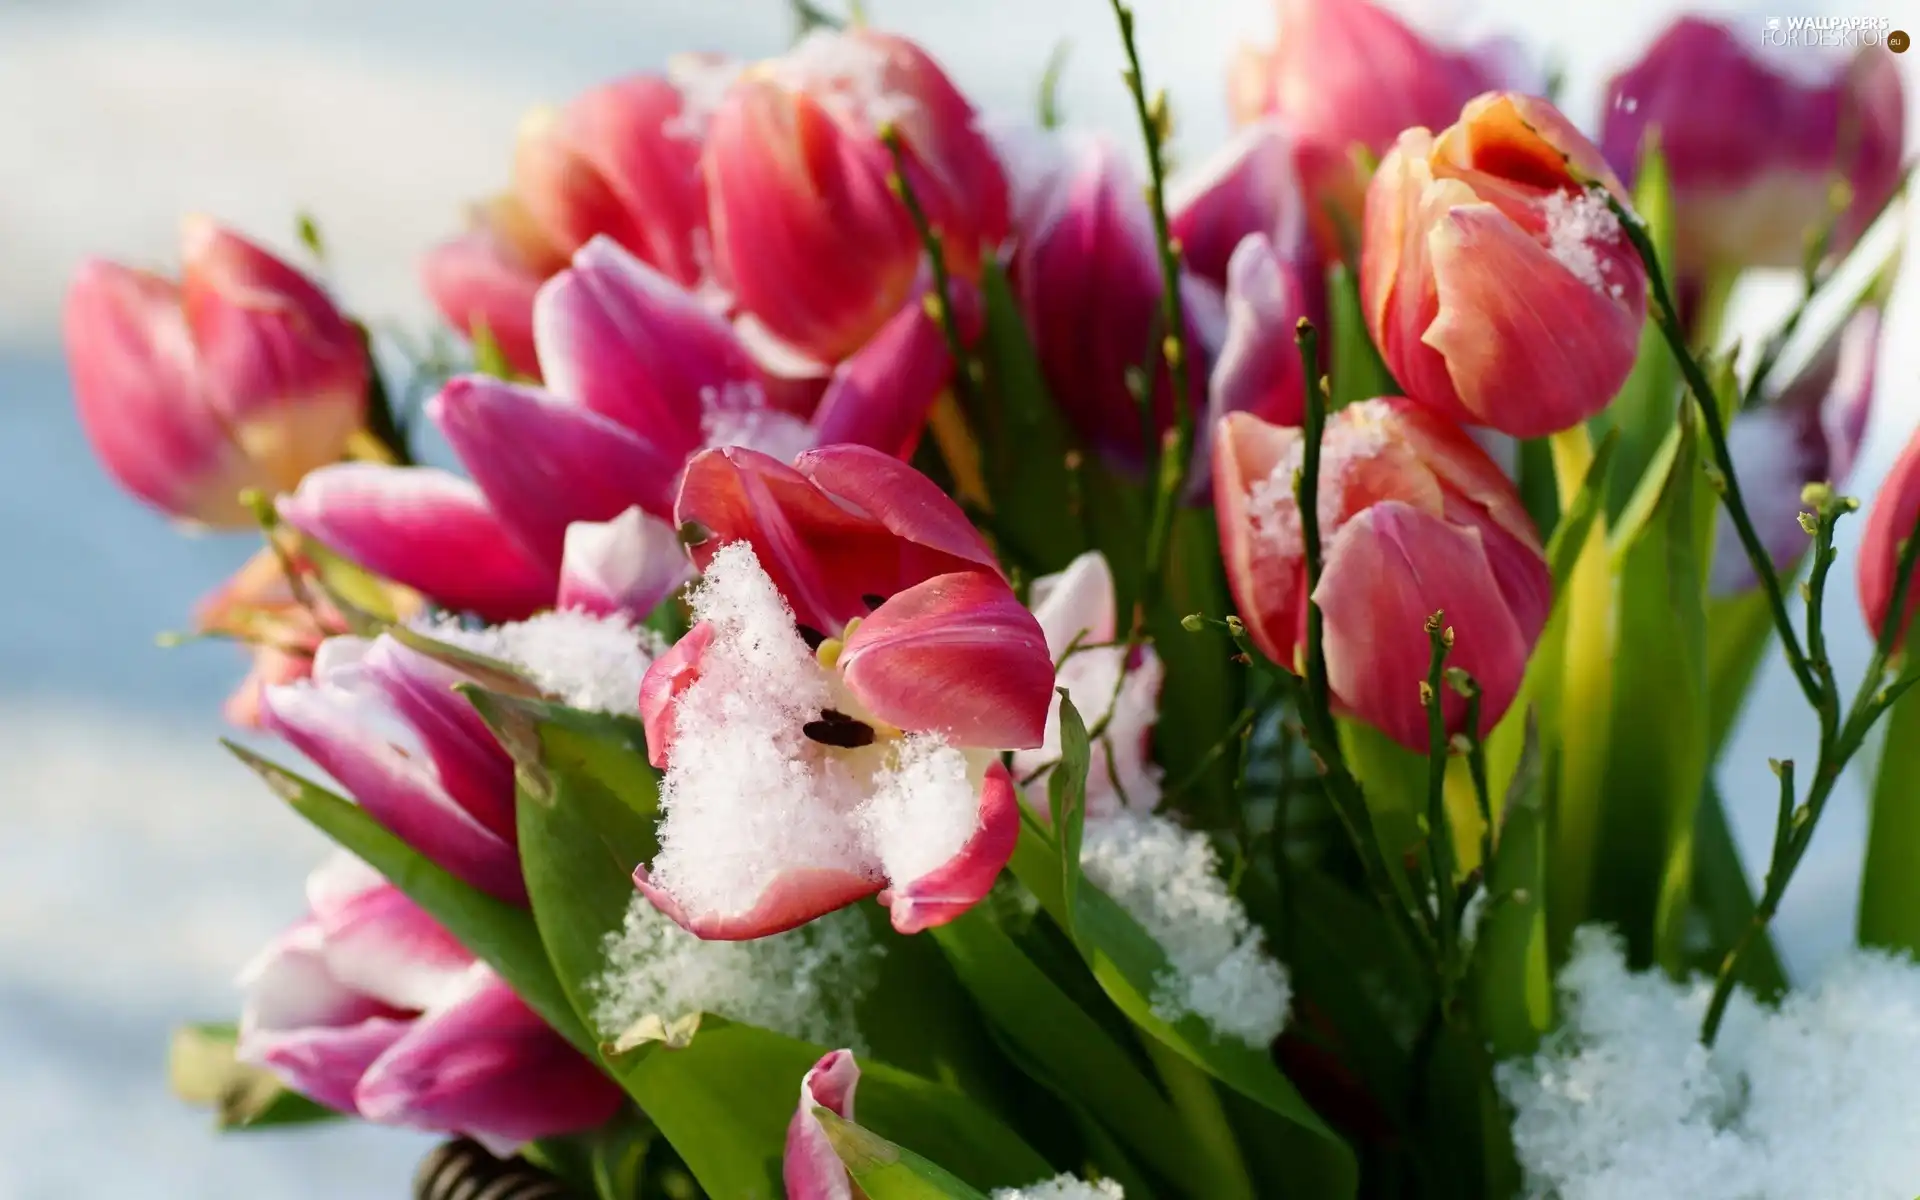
(138, 867)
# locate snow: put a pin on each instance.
(1357, 433)
(1815, 1098)
(737, 415)
(1168, 879)
(703, 81)
(805, 983)
(1576, 221)
(849, 74)
(924, 810)
(587, 661)
(1063, 1187)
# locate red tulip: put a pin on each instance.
(369, 1007)
(1890, 523)
(1414, 519)
(811, 1169)
(832, 725)
(243, 375)
(1346, 75)
(1754, 143)
(808, 237)
(1498, 289)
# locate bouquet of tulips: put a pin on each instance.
(955, 666)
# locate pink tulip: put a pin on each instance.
(1347, 75)
(1754, 143)
(1249, 187)
(1414, 519)
(808, 237)
(1809, 433)
(369, 1007)
(831, 727)
(258, 607)
(385, 722)
(812, 1170)
(243, 375)
(1499, 290)
(1258, 369)
(643, 376)
(620, 161)
(1090, 282)
(626, 565)
(1891, 521)
(1076, 611)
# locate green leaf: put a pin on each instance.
(497, 933)
(1068, 1050)
(488, 358)
(1204, 688)
(1025, 444)
(1890, 889)
(1127, 963)
(203, 1070)
(885, 1171)
(1355, 371)
(1067, 796)
(1394, 781)
(1512, 989)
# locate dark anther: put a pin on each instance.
(872, 601)
(812, 637)
(836, 728)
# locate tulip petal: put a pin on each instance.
(796, 896)
(667, 676)
(642, 134)
(811, 1169)
(624, 341)
(957, 655)
(881, 396)
(906, 503)
(1528, 360)
(1258, 369)
(964, 880)
(1266, 578)
(336, 729)
(1890, 522)
(479, 281)
(313, 1032)
(624, 566)
(424, 528)
(1075, 605)
(1388, 569)
(486, 1066)
(383, 946)
(544, 464)
(1248, 187)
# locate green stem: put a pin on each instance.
(1439, 828)
(1199, 1107)
(930, 240)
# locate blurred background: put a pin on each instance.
(139, 866)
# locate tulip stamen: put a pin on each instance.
(835, 728)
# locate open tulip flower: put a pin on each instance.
(1416, 519)
(240, 376)
(643, 376)
(368, 1007)
(1754, 142)
(1499, 289)
(831, 726)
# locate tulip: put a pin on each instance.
(808, 236)
(1809, 433)
(811, 1168)
(1414, 519)
(1347, 75)
(621, 161)
(243, 375)
(1258, 369)
(1076, 611)
(1499, 290)
(259, 607)
(642, 377)
(369, 1007)
(385, 721)
(832, 725)
(1754, 144)
(1249, 187)
(1090, 283)
(1891, 521)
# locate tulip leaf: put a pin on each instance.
(883, 1170)
(1889, 913)
(1128, 964)
(1025, 445)
(1643, 411)
(497, 933)
(1070, 1052)
(203, 1071)
(1202, 695)
(1067, 797)
(1355, 371)
(1512, 988)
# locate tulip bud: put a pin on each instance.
(1349, 74)
(1754, 144)
(1414, 519)
(809, 236)
(1890, 523)
(1499, 289)
(242, 376)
